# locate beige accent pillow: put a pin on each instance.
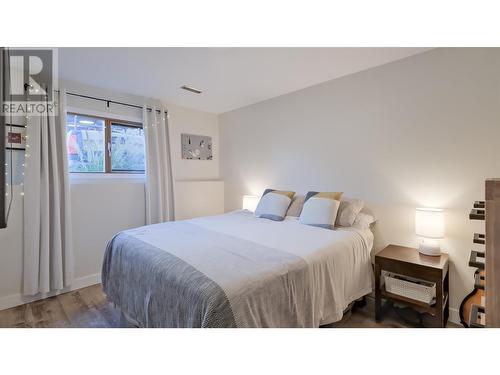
(273, 204)
(348, 210)
(320, 209)
(296, 206)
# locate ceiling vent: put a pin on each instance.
(191, 89)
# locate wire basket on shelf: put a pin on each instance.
(409, 287)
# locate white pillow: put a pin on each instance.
(364, 220)
(320, 209)
(273, 204)
(348, 211)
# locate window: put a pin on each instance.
(85, 142)
(127, 148)
(99, 145)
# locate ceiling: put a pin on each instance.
(229, 77)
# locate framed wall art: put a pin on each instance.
(196, 147)
(15, 137)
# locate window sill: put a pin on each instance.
(99, 178)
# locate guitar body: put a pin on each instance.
(473, 298)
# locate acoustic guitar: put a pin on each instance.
(477, 258)
(473, 298)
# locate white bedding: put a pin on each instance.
(236, 270)
(339, 259)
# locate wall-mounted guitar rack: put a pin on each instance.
(477, 314)
(492, 259)
(487, 262)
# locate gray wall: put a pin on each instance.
(422, 131)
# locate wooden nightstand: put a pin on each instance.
(407, 261)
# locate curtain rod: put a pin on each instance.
(108, 101)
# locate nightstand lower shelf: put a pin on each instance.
(417, 305)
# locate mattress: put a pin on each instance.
(236, 270)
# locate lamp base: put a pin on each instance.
(429, 248)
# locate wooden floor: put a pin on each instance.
(83, 308)
(88, 308)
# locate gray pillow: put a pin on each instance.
(348, 210)
(296, 206)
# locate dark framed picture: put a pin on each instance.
(15, 137)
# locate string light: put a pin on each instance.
(6, 183)
(26, 152)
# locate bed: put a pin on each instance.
(236, 270)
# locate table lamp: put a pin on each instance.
(429, 225)
(250, 202)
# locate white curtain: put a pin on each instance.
(48, 248)
(159, 186)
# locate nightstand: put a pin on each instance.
(407, 261)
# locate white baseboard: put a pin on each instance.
(18, 299)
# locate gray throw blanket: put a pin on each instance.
(180, 274)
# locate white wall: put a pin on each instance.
(188, 121)
(423, 131)
(104, 205)
(194, 176)
(198, 198)
(100, 210)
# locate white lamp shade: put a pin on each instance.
(429, 222)
(250, 202)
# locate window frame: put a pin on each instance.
(108, 122)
